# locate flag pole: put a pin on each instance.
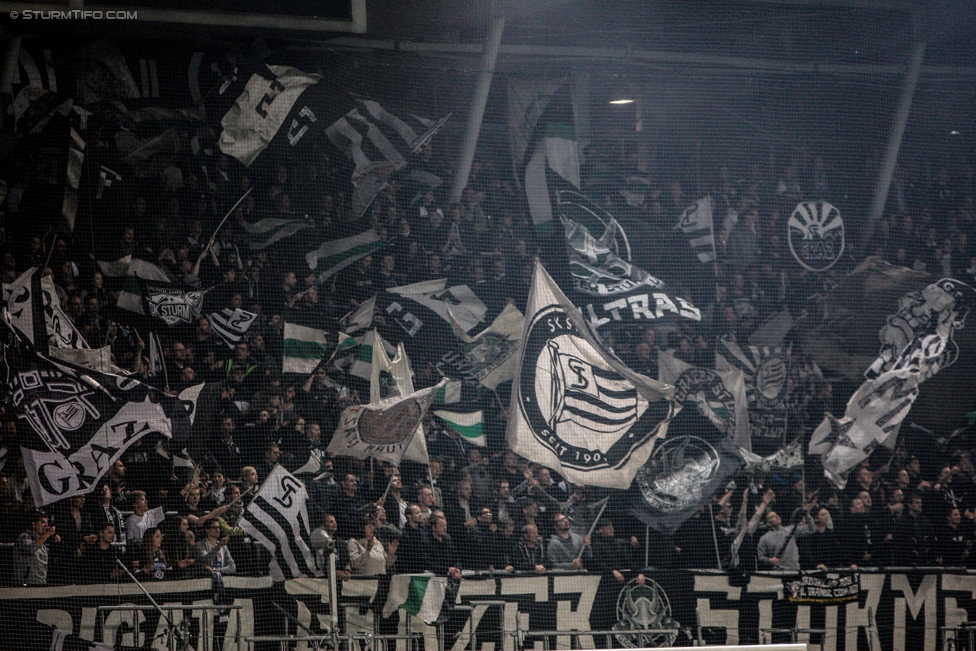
(159, 347)
(169, 622)
(592, 527)
(231, 211)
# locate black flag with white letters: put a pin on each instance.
(80, 421)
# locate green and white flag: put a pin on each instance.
(360, 318)
(470, 426)
(266, 232)
(420, 595)
(449, 394)
(489, 356)
(304, 348)
(334, 256)
(362, 363)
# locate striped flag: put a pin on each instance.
(378, 143)
(278, 519)
(231, 325)
(334, 256)
(470, 426)
(304, 348)
(264, 233)
(696, 222)
(360, 318)
(420, 595)
(362, 363)
(449, 394)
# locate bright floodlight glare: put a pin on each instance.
(621, 101)
(953, 133)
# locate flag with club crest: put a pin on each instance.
(231, 325)
(766, 371)
(382, 430)
(489, 357)
(391, 377)
(81, 420)
(575, 407)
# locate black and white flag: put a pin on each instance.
(171, 303)
(378, 143)
(602, 280)
(576, 408)
(421, 315)
(231, 325)
(680, 477)
(33, 310)
(277, 518)
(81, 420)
(917, 342)
(766, 370)
(697, 223)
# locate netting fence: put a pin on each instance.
(649, 377)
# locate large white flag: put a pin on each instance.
(576, 408)
(278, 519)
(390, 378)
(383, 430)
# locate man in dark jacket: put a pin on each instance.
(444, 559)
(530, 555)
(414, 551)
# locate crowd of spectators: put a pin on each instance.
(472, 508)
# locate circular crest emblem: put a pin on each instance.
(583, 412)
(390, 426)
(772, 381)
(675, 476)
(69, 415)
(644, 607)
(816, 235)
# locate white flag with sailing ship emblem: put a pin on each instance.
(577, 408)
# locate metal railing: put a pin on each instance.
(172, 636)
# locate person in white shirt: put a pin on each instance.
(366, 554)
(142, 519)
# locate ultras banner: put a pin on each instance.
(901, 610)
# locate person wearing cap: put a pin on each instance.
(566, 549)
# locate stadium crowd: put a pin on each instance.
(472, 508)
